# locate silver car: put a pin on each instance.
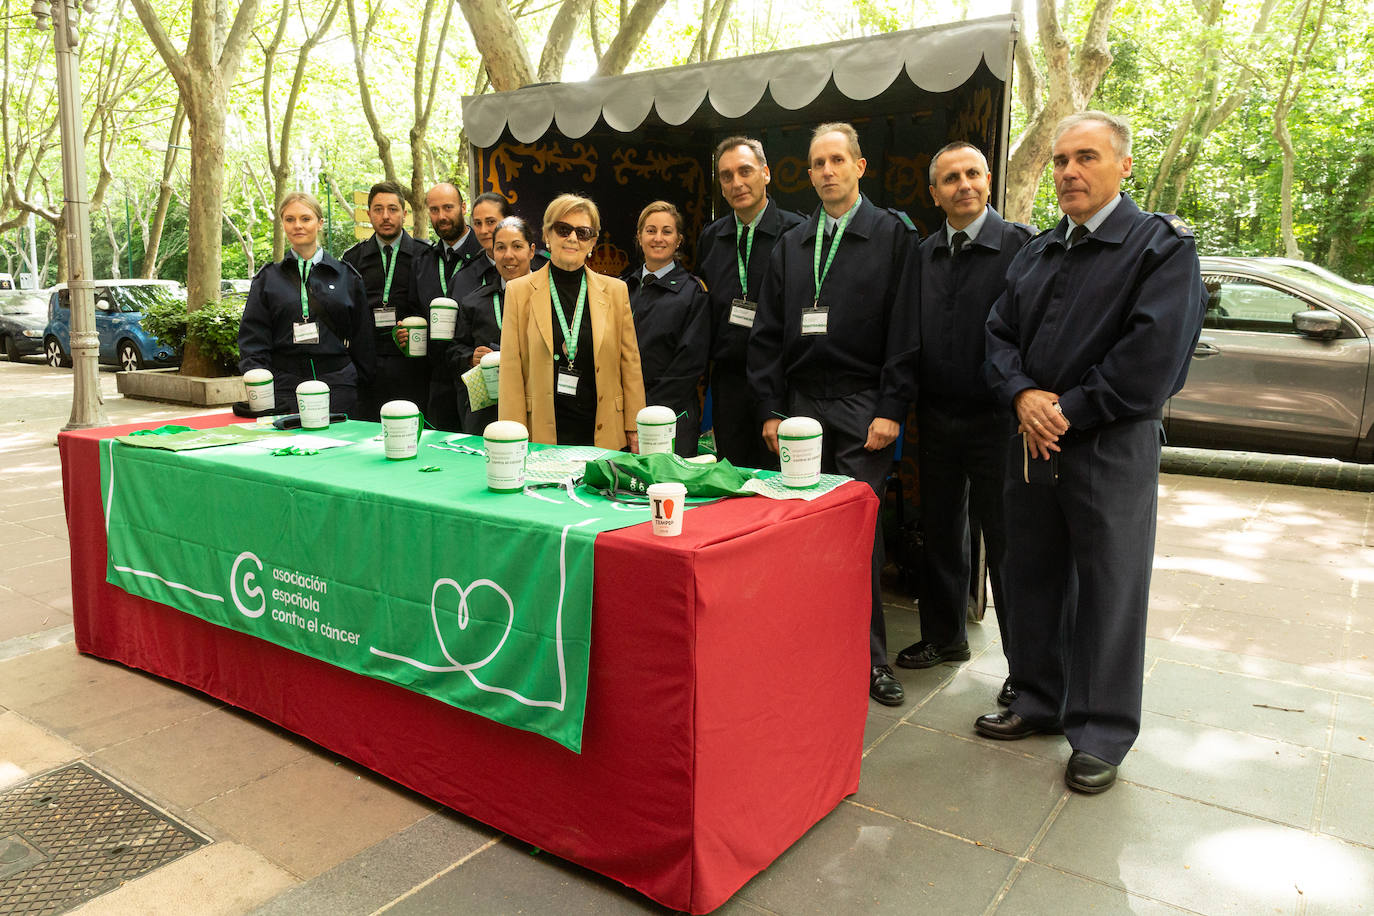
(1284, 364)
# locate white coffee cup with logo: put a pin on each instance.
(417, 336)
(657, 429)
(443, 318)
(261, 396)
(507, 443)
(312, 399)
(666, 503)
(799, 451)
(491, 372)
(400, 430)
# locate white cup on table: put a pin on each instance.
(507, 443)
(312, 400)
(258, 383)
(400, 430)
(657, 429)
(667, 502)
(799, 452)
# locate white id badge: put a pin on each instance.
(303, 332)
(814, 320)
(567, 382)
(742, 312)
(384, 318)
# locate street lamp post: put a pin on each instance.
(88, 409)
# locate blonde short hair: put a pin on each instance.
(301, 197)
(564, 204)
(837, 127)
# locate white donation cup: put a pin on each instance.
(657, 429)
(258, 382)
(312, 400)
(799, 451)
(443, 318)
(507, 443)
(400, 430)
(666, 502)
(491, 373)
(417, 336)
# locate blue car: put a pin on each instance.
(119, 307)
(23, 316)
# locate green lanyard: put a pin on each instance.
(817, 272)
(305, 274)
(570, 336)
(390, 271)
(496, 304)
(743, 262)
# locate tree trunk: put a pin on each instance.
(164, 194)
(1292, 86)
(633, 27)
(360, 43)
(498, 39)
(559, 39)
(205, 211)
(1070, 80)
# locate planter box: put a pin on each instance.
(167, 385)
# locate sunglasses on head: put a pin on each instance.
(583, 233)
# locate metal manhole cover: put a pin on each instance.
(73, 834)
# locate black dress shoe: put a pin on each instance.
(1007, 695)
(1008, 726)
(1088, 774)
(884, 687)
(926, 654)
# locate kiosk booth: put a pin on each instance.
(627, 140)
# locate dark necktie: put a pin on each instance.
(957, 243)
(386, 260)
(744, 245)
(1078, 234)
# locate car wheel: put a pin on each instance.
(11, 349)
(52, 352)
(129, 358)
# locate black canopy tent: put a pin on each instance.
(628, 140)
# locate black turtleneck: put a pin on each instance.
(574, 417)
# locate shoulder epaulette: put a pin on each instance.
(1181, 229)
(901, 215)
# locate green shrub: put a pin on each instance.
(216, 326)
(165, 319)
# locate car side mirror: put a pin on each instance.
(1318, 323)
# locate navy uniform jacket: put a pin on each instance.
(366, 258)
(673, 326)
(1109, 325)
(425, 285)
(476, 325)
(859, 350)
(950, 298)
(717, 266)
(338, 306)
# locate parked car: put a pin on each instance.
(1316, 270)
(119, 307)
(228, 286)
(1284, 364)
(23, 315)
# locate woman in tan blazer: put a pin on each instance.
(569, 359)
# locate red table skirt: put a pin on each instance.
(726, 701)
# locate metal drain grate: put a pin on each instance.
(72, 834)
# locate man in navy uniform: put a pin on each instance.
(440, 271)
(964, 433)
(822, 344)
(384, 262)
(1091, 338)
(732, 257)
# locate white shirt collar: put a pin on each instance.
(971, 230)
(315, 258)
(660, 273)
(1097, 219)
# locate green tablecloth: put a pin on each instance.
(426, 580)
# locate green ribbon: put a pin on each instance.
(570, 336)
(840, 225)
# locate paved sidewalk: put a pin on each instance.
(1250, 790)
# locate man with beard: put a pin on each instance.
(384, 262)
(439, 272)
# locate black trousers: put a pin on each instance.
(397, 378)
(343, 389)
(442, 409)
(734, 415)
(963, 465)
(844, 423)
(1077, 577)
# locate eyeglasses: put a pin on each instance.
(583, 233)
